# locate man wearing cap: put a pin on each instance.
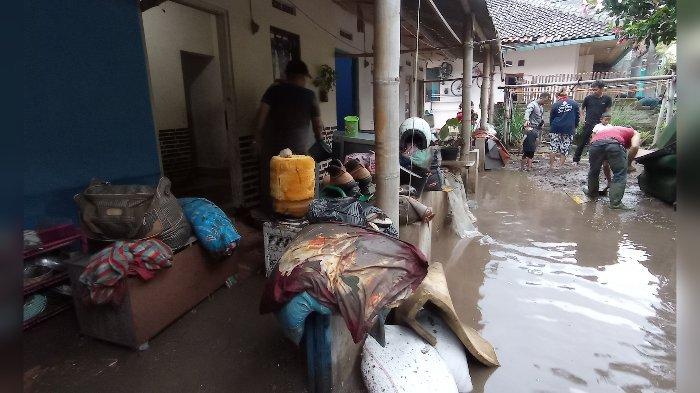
(288, 117)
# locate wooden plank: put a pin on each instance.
(434, 289)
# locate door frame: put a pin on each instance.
(223, 33)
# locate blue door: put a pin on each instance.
(346, 89)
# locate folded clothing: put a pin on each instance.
(211, 225)
(349, 269)
(103, 275)
(349, 210)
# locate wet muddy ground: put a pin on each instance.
(571, 177)
(574, 297)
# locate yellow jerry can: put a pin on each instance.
(292, 184)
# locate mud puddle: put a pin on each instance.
(575, 297)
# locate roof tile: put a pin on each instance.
(524, 22)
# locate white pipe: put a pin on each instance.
(414, 85)
(671, 91)
(387, 35)
(586, 82)
(662, 110)
(492, 103)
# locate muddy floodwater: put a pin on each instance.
(574, 297)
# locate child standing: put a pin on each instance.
(529, 148)
(604, 123)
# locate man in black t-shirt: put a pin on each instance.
(595, 104)
(287, 115)
(288, 112)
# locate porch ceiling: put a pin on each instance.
(604, 52)
(435, 37)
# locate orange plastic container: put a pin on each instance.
(292, 184)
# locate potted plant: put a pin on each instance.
(450, 140)
(325, 81)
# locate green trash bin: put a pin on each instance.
(352, 125)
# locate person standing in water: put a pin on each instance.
(611, 145)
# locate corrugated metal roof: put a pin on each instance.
(525, 22)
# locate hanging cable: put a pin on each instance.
(415, 69)
(415, 78)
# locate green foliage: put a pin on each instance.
(641, 120)
(448, 138)
(325, 78)
(644, 20)
(668, 58)
(647, 138)
(644, 121)
(516, 124)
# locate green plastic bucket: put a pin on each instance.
(352, 125)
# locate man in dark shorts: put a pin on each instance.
(529, 148)
(611, 145)
(287, 114)
(563, 120)
(595, 104)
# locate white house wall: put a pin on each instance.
(170, 29)
(252, 57)
(167, 33)
(585, 63)
(544, 61)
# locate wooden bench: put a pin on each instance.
(148, 307)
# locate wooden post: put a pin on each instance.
(484, 102)
(506, 118)
(467, 65)
(492, 104)
(386, 101)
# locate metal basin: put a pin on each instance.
(35, 273)
(52, 263)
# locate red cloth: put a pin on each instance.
(103, 275)
(502, 151)
(621, 134)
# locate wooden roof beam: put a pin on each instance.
(444, 21)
